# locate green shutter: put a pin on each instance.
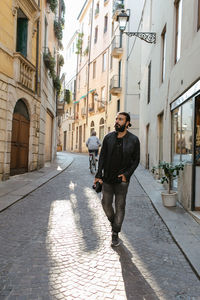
(22, 34)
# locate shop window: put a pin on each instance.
(182, 133)
(22, 33)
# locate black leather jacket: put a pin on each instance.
(131, 154)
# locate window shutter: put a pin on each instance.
(22, 33)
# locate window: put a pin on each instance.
(149, 84)
(105, 23)
(94, 69)
(104, 62)
(22, 33)
(111, 62)
(101, 129)
(118, 105)
(45, 33)
(198, 18)
(119, 72)
(79, 82)
(112, 28)
(96, 34)
(97, 9)
(103, 94)
(178, 7)
(74, 89)
(91, 127)
(163, 38)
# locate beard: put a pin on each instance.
(120, 128)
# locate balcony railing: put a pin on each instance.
(115, 85)
(24, 71)
(117, 49)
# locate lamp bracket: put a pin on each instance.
(149, 37)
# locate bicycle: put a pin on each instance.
(92, 161)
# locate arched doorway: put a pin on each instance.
(20, 139)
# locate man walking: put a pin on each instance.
(119, 157)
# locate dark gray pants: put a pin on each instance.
(118, 192)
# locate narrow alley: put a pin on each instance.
(55, 244)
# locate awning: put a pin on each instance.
(84, 96)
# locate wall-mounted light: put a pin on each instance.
(123, 18)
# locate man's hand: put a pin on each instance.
(98, 180)
(123, 177)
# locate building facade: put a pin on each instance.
(169, 92)
(22, 85)
(103, 72)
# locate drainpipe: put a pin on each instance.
(37, 54)
(88, 79)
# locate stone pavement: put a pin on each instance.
(55, 244)
(19, 186)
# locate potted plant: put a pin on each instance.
(171, 172)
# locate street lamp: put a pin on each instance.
(123, 18)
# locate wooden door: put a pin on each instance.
(19, 144)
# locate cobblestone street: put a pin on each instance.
(55, 244)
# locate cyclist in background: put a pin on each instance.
(93, 144)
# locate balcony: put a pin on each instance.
(115, 85)
(24, 71)
(83, 111)
(117, 50)
(101, 106)
(60, 108)
(118, 5)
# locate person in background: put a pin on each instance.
(93, 144)
(119, 157)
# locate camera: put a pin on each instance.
(97, 187)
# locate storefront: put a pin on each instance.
(186, 144)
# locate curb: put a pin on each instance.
(195, 268)
(52, 175)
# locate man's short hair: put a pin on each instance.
(128, 118)
(93, 133)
